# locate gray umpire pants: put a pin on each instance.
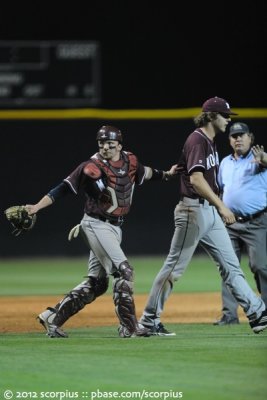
(199, 223)
(252, 234)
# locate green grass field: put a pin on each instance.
(202, 362)
(55, 276)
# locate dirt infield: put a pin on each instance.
(18, 314)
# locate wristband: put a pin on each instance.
(167, 176)
(157, 174)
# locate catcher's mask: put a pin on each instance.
(108, 132)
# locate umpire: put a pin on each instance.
(243, 181)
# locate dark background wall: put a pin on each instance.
(45, 152)
(152, 56)
(167, 55)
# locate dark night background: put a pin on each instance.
(152, 56)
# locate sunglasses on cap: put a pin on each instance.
(225, 115)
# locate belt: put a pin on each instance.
(246, 218)
(116, 222)
(199, 200)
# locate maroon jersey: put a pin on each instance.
(199, 154)
(108, 185)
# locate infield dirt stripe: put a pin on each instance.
(18, 314)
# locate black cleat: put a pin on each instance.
(226, 321)
(259, 324)
(159, 330)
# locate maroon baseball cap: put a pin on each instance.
(217, 104)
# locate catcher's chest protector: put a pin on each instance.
(117, 197)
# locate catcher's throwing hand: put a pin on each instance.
(31, 209)
(20, 219)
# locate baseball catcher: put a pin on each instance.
(20, 219)
(107, 179)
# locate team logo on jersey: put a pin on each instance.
(212, 160)
(121, 172)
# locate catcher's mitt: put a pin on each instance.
(20, 219)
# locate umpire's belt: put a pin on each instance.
(116, 222)
(246, 218)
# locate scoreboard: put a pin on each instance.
(47, 74)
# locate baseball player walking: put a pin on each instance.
(108, 180)
(199, 218)
(241, 175)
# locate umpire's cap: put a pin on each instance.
(238, 127)
(108, 132)
(217, 104)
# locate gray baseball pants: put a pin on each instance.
(104, 239)
(106, 258)
(252, 234)
(199, 223)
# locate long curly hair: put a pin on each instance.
(204, 118)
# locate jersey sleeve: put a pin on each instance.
(76, 178)
(195, 156)
(196, 159)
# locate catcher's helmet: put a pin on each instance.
(108, 132)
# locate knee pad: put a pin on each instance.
(123, 282)
(126, 271)
(88, 290)
(99, 285)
